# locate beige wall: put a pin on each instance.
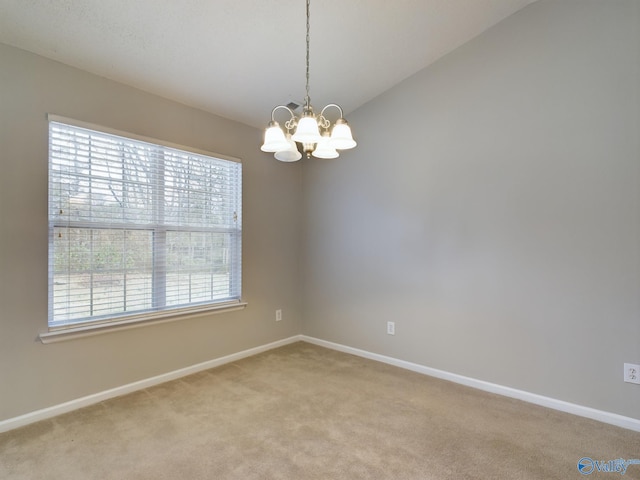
(33, 375)
(497, 218)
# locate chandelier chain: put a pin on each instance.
(308, 99)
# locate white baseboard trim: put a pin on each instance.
(45, 413)
(599, 415)
(66, 407)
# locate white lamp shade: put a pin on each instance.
(341, 137)
(274, 139)
(291, 154)
(307, 131)
(324, 148)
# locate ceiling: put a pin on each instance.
(240, 58)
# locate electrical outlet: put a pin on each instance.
(632, 373)
(391, 328)
(278, 315)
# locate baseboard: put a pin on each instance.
(66, 407)
(599, 415)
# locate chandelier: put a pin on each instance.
(314, 133)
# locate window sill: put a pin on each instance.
(72, 333)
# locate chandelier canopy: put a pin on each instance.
(315, 133)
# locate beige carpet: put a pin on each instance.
(305, 412)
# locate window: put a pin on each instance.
(137, 229)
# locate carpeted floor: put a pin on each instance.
(305, 412)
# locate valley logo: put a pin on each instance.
(586, 465)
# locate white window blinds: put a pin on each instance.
(137, 228)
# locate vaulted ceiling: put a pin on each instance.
(240, 58)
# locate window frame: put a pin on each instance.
(157, 314)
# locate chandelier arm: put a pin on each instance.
(333, 105)
(323, 121)
(273, 112)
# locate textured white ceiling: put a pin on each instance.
(240, 58)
